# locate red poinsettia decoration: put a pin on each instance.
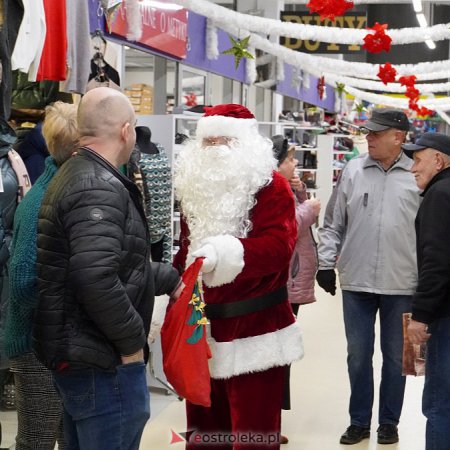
(191, 99)
(407, 80)
(321, 87)
(378, 41)
(423, 111)
(387, 73)
(329, 9)
(412, 93)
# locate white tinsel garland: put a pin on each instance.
(306, 80)
(390, 87)
(212, 43)
(224, 16)
(280, 70)
(316, 65)
(134, 20)
(237, 24)
(250, 67)
(396, 102)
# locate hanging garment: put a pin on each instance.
(53, 64)
(30, 40)
(11, 17)
(78, 47)
(157, 178)
(101, 71)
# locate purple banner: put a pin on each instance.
(311, 95)
(196, 56)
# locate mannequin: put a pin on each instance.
(157, 183)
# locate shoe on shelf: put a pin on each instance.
(354, 434)
(283, 439)
(387, 434)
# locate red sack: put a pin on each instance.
(183, 340)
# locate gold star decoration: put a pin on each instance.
(239, 50)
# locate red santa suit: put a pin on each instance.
(250, 350)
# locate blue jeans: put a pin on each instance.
(104, 410)
(360, 310)
(436, 393)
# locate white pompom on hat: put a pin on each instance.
(230, 120)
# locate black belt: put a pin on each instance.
(243, 307)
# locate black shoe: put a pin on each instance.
(354, 434)
(387, 434)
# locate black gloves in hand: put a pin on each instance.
(327, 280)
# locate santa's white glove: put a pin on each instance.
(209, 253)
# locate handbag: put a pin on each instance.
(413, 361)
(183, 340)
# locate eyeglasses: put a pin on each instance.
(366, 132)
(216, 140)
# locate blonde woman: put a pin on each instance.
(39, 408)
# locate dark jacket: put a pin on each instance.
(432, 298)
(96, 285)
(8, 204)
(33, 151)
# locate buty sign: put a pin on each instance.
(350, 20)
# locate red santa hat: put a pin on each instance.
(229, 120)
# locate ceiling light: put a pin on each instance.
(422, 20)
(417, 5)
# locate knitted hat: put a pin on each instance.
(229, 120)
(280, 148)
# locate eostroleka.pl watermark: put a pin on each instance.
(222, 438)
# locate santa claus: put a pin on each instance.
(238, 213)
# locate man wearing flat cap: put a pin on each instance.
(431, 301)
(369, 241)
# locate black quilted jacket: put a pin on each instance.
(95, 281)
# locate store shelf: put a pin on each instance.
(299, 148)
(305, 169)
(296, 125)
(337, 152)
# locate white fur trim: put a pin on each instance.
(225, 126)
(256, 353)
(158, 316)
(230, 260)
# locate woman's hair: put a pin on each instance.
(60, 130)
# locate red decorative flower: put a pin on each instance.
(328, 9)
(191, 99)
(423, 111)
(387, 73)
(412, 92)
(321, 87)
(407, 80)
(378, 41)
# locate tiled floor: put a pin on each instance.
(319, 395)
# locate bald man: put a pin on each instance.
(96, 286)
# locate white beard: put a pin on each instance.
(217, 185)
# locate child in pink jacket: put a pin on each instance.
(304, 262)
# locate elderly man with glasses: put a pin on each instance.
(369, 241)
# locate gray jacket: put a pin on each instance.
(370, 238)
